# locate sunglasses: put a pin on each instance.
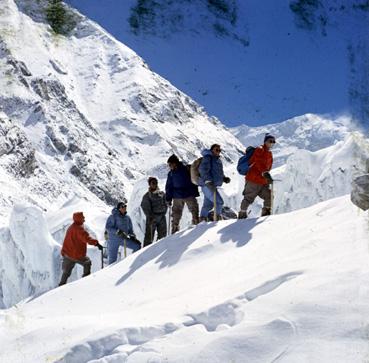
(271, 141)
(217, 150)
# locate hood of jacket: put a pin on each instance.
(206, 152)
(115, 211)
(78, 218)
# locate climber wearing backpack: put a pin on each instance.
(211, 177)
(155, 207)
(181, 191)
(258, 179)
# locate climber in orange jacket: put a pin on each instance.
(258, 178)
(75, 248)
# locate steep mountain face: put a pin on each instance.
(250, 61)
(92, 109)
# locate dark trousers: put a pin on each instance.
(253, 190)
(68, 265)
(158, 224)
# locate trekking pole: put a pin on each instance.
(170, 220)
(102, 258)
(271, 198)
(125, 248)
(215, 206)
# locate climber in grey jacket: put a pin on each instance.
(155, 207)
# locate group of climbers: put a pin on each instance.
(180, 190)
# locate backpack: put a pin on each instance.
(194, 171)
(243, 165)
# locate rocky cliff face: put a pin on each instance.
(90, 108)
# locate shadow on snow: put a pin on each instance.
(170, 250)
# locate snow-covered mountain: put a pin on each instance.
(96, 117)
(84, 122)
(308, 132)
(250, 61)
(287, 288)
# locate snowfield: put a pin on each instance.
(285, 288)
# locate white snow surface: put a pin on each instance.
(287, 288)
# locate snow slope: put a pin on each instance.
(287, 288)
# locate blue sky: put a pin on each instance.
(284, 72)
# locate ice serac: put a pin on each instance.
(310, 177)
(30, 258)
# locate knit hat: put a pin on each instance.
(122, 204)
(151, 179)
(173, 159)
(268, 137)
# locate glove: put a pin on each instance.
(226, 179)
(99, 246)
(169, 203)
(122, 234)
(211, 186)
(268, 177)
(133, 238)
(106, 235)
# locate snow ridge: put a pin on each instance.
(215, 292)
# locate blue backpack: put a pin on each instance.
(243, 165)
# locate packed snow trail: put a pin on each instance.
(286, 288)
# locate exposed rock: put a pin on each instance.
(99, 181)
(16, 151)
(360, 192)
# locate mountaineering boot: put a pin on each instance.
(242, 214)
(203, 219)
(175, 228)
(219, 217)
(265, 212)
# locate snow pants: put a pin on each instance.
(155, 224)
(253, 190)
(68, 265)
(177, 210)
(209, 202)
(113, 246)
